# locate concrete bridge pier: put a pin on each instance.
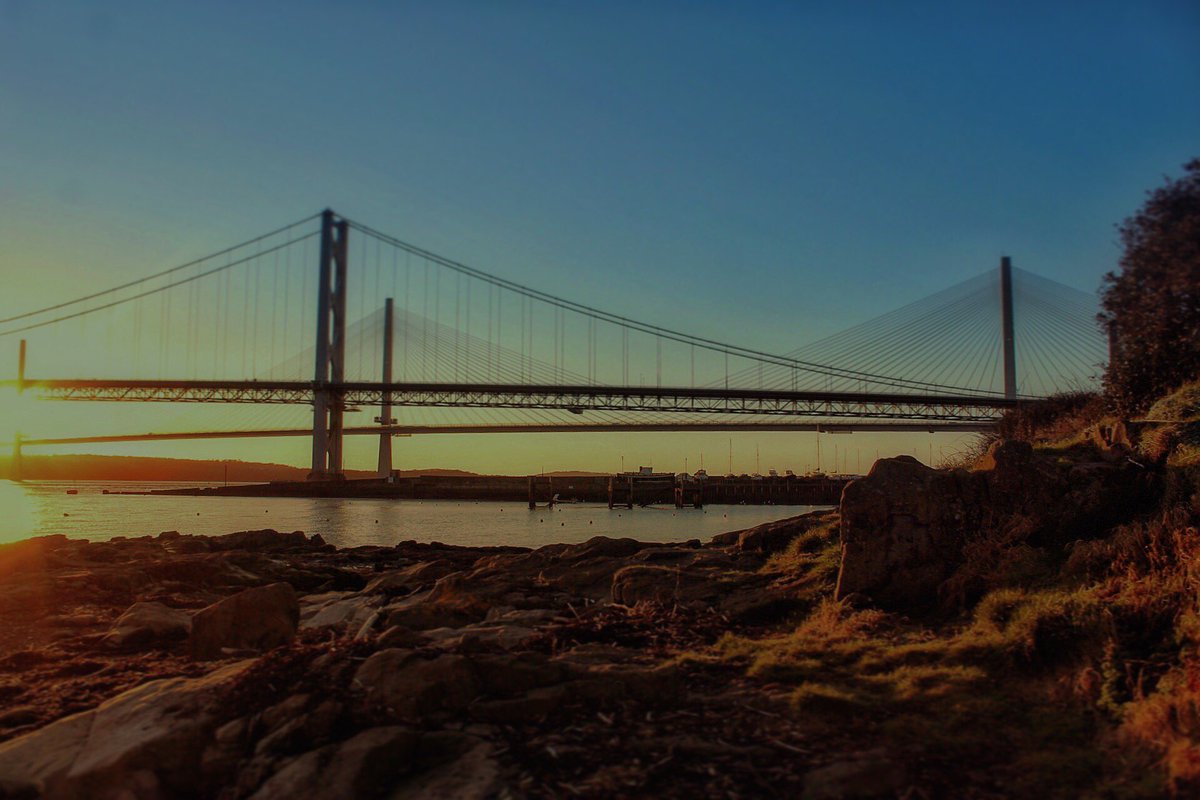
(14, 468)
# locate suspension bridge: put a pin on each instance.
(456, 349)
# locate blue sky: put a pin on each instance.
(787, 169)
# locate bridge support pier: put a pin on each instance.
(385, 404)
(14, 466)
(328, 402)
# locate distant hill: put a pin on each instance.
(137, 468)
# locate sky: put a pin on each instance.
(767, 173)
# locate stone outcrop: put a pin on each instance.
(905, 527)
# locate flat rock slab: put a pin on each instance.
(255, 619)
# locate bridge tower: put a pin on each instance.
(1006, 329)
(385, 405)
(328, 400)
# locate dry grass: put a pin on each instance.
(1073, 671)
(1181, 405)
(1076, 674)
(1058, 418)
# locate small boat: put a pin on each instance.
(72, 491)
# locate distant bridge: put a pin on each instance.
(468, 340)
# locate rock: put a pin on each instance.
(468, 770)
(342, 611)
(454, 592)
(449, 604)
(16, 716)
(771, 537)
(508, 675)
(601, 546)
(365, 765)
(255, 619)
(635, 584)
(869, 775)
(902, 530)
(505, 637)
(651, 685)
(145, 624)
(531, 707)
(266, 541)
(530, 617)
(411, 686)
(409, 579)
(398, 636)
(146, 742)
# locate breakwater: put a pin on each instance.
(623, 489)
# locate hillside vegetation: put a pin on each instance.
(1077, 672)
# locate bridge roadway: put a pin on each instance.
(419, 430)
(979, 409)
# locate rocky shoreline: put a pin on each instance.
(453, 661)
(957, 633)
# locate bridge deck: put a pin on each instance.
(577, 398)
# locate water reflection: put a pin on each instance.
(38, 508)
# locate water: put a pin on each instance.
(37, 508)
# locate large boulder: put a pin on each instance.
(148, 624)
(255, 619)
(902, 530)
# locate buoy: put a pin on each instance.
(589, 522)
(65, 514)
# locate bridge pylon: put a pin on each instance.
(1007, 332)
(328, 401)
(385, 417)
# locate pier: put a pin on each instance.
(619, 490)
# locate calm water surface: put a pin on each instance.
(37, 508)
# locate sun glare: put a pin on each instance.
(16, 512)
(18, 414)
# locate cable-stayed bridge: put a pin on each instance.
(403, 332)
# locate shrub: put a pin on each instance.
(1151, 307)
